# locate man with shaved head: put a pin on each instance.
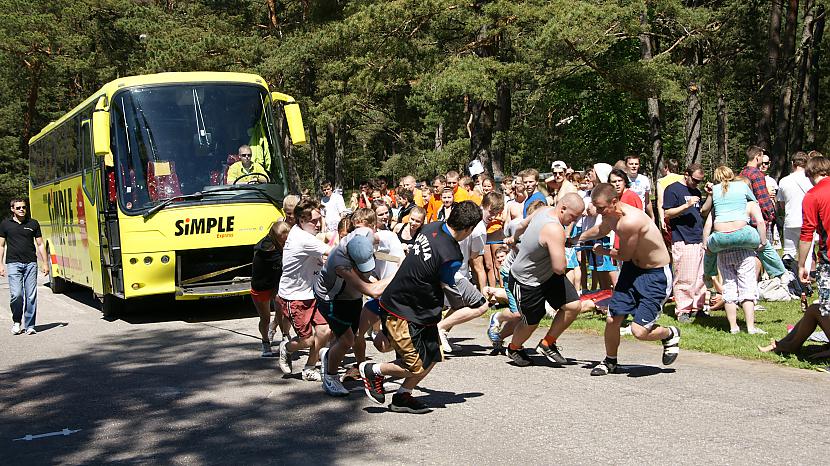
(645, 277)
(408, 183)
(537, 276)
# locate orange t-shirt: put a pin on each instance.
(434, 206)
(460, 194)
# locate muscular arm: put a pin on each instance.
(552, 236)
(600, 230)
(41, 252)
(676, 211)
(649, 208)
(629, 239)
(521, 227)
(707, 206)
(355, 281)
(477, 266)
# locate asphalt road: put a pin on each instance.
(184, 384)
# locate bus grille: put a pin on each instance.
(197, 267)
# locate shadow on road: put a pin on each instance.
(149, 396)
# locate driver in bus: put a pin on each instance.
(245, 170)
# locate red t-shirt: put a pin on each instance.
(631, 198)
(816, 217)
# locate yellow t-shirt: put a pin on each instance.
(237, 170)
(667, 180)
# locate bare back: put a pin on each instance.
(640, 240)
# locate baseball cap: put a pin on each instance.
(558, 164)
(362, 252)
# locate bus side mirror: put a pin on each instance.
(101, 132)
(293, 116)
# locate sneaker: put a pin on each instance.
(352, 373)
(684, 318)
(267, 352)
(671, 346)
(406, 403)
(625, 330)
(271, 334)
(519, 357)
(735, 331)
(332, 386)
(372, 383)
(604, 368)
(16, 329)
(756, 331)
(31, 331)
(324, 362)
(284, 358)
(759, 307)
(551, 352)
(445, 342)
(312, 375)
(493, 331)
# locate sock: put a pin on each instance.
(376, 369)
(671, 335)
(610, 359)
(549, 340)
(404, 390)
(513, 347)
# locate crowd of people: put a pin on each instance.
(405, 265)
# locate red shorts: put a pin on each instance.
(263, 296)
(303, 315)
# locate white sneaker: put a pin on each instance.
(625, 330)
(445, 342)
(271, 334)
(16, 329)
(312, 375)
(31, 331)
(332, 386)
(756, 331)
(324, 362)
(284, 358)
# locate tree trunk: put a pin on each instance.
(340, 137)
(31, 108)
(655, 133)
(439, 137)
(723, 131)
(811, 126)
(802, 67)
(780, 150)
(329, 152)
(764, 129)
(481, 133)
(504, 113)
(272, 16)
(317, 168)
(694, 120)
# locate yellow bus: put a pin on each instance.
(131, 187)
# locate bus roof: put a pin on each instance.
(111, 87)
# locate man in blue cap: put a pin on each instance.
(339, 291)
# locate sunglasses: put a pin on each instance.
(244, 155)
(765, 163)
(19, 208)
(696, 180)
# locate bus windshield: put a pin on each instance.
(175, 140)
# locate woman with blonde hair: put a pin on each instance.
(728, 234)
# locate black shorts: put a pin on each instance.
(341, 315)
(557, 291)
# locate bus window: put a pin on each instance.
(87, 159)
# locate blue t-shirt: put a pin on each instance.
(537, 196)
(688, 226)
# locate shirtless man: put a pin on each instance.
(537, 276)
(645, 279)
(515, 208)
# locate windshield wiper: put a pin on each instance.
(166, 202)
(243, 187)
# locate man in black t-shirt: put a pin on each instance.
(21, 233)
(412, 304)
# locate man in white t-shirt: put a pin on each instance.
(791, 193)
(640, 184)
(466, 301)
(334, 207)
(302, 260)
(772, 186)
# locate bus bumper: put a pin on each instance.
(190, 293)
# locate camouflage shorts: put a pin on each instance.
(823, 282)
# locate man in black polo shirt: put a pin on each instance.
(21, 233)
(412, 304)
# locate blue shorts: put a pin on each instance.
(572, 258)
(641, 292)
(373, 305)
(511, 300)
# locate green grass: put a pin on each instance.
(711, 334)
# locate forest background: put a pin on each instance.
(422, 86)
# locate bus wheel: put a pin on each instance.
(112, 306)
(57, 284)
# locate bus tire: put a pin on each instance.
(112, 306)
(57, 284)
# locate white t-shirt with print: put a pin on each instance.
(640, 185)
(302, 259)
(472, 246)
(791, 192)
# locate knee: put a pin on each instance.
(639, 331)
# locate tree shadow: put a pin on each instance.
(172, 396)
